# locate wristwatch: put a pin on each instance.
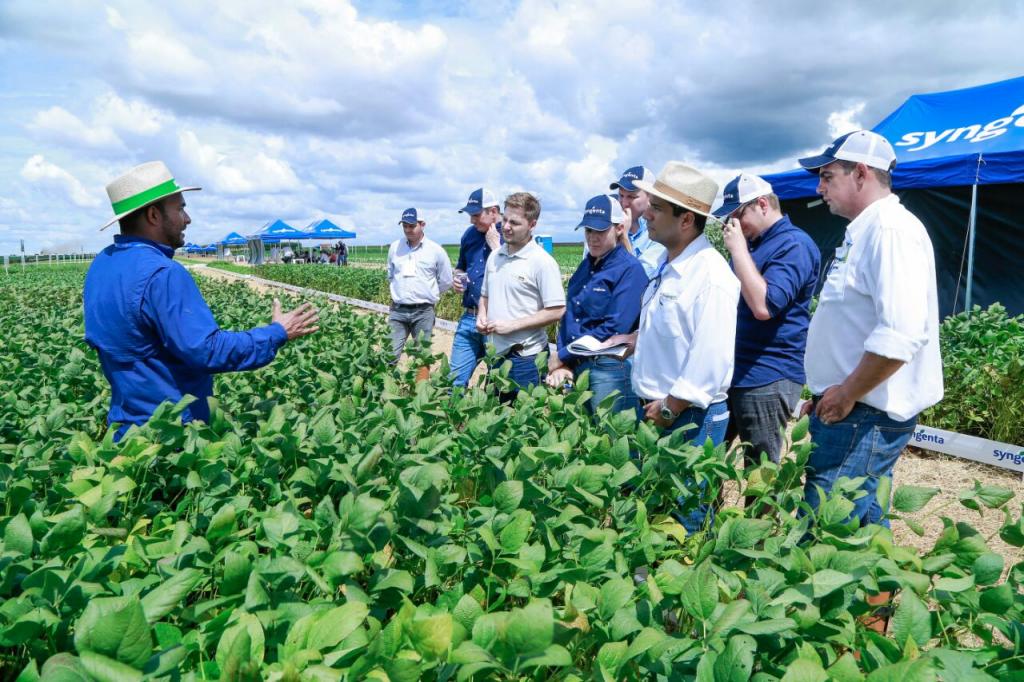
(666, 412)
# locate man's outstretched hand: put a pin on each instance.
(298, 322)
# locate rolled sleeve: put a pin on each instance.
(900, 294)
(709, 362)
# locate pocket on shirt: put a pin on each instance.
(667, 318)
(835, 279)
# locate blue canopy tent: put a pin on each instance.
(278, 231)
(234, 239)
(960, 162)
(325, 229)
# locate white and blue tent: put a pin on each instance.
(960, 169)
(326, 230)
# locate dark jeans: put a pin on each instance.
(609, 374)
(759, 416)
(867, 443)
(710, 422)
(523, 372)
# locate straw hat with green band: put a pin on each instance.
(140, 187)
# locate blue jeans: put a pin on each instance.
(523, 372)
(468, 349)
(609, 374)
(710, 422)
(867, 443)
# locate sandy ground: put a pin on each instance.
(915, 467)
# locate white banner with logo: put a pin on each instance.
(981, 450)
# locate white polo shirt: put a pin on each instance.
(520, 285)
(880, 296)
(687, 335)
(418, 275)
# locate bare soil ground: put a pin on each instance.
(915, 467)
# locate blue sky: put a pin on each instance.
(354, 111)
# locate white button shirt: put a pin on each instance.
(880, 296)
(687, 334)
(418, 275)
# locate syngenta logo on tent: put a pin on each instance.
(976, 132)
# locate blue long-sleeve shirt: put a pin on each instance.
(473, 255)
(773, 349)
(156, 337)
(603, 298)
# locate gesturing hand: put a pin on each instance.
(298, 322)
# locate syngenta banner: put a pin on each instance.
(1003, 455)
(974, 132)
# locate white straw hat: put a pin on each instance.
(140, 187)
(684, 186)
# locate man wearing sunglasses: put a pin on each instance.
(777, 264)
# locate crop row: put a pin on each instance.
(336, 520)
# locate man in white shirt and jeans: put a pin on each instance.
(419, 271)
(522, 293)
(684, 346)
(872, 357)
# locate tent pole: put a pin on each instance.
(970, 248)
(971, 231)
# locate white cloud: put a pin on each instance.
(845, 121)
(38, 170)
(237, 171)
(133, 116)
(60, 125)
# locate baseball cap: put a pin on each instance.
(860, 146)
(741, 189)
(479, 199)
(601, 213)
(631, 174)
(409, 215)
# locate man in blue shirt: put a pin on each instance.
(603, 299)
(478, 241)
(155, 336)
(777, 264)
(635, 202)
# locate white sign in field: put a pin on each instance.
(981, 450)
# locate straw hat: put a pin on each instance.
(684, 186)
(140, 187)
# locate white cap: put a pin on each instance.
(860, 146)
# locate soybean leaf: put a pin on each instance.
(736, 662)
(115, 627)
(700, 593)
(530, 630)
(161, 600)
(911, 620)
(18, 536)
(911, 498)
(508, 495)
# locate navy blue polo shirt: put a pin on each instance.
(473, 254)
(773, 349)
(603, 299)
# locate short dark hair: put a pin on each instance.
(699, 221)
(884, 177)
(132, 223)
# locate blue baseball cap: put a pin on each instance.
(741, 189)
(860, 146)
(410, 216)
(479, 199)
(630, 175)
(601, 213)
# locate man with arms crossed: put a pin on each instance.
(479, 240)
(872, 358)
(154, 334)
(418, 273)
(777, 264)
(522, 292)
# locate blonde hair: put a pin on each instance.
(525, 202)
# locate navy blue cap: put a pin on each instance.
(479, 199)
(630, 175)
(409, 215)
(601, 213)
(740, 190)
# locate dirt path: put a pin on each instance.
(915, 467)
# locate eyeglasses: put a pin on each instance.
(652, 286)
